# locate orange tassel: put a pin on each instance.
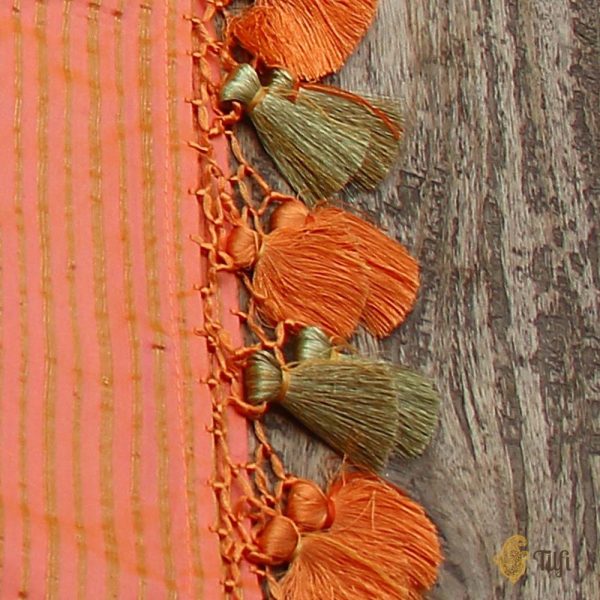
(328, 268)
(392, 273)
(309, 38)
(374, 542)
(309, 275)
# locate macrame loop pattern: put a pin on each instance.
(245, 492)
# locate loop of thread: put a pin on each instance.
(259, 244)
(286, 378)
(257, 99)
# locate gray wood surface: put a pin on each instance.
(497, 195)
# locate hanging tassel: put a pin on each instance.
(364, 409)
(314, 276)
(392, 273)
(351, 405)
(327, 267)
(309, 38)
(418, 402)
(322, 566)
(321, 138)
(364, 539)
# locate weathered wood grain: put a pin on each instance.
(498, 196)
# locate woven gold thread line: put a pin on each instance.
(153, 283)
(22, 261)
(49, 321)
(176, 238)
(133, 325)
(101, 307)
(80, 531)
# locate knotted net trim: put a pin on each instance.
(246, 493)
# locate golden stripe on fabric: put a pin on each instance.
(153, 286)
(23, 320)
(133, 325)
(49, 325)
(101, 306)
(185, 371)
(80, 531)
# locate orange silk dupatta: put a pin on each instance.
(106, 458)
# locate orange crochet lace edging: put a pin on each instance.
(244, 491)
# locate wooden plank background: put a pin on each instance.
(497, 195)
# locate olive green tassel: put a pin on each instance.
(418, 401)
(351, 405)
(321, 138)
(384, 143)
(418, 409)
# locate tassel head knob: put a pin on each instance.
(308, 506)
(263, 379)
(278, 541)
(292, 213)
(242, 85)
(281, 81)
(243, 246)
(312, 343)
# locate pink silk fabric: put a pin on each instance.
(105, 457)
